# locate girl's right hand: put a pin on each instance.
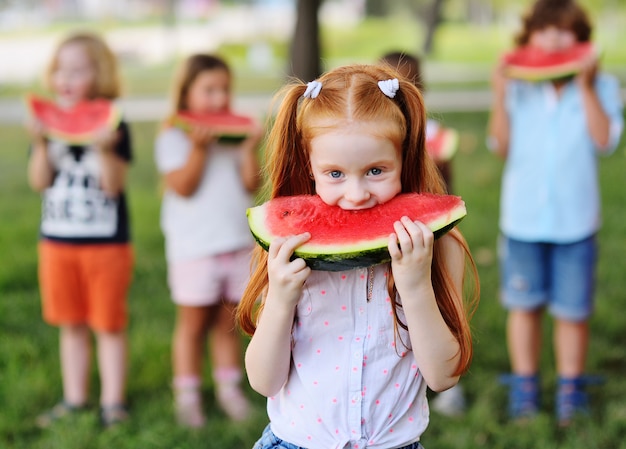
(201, 136)
(36, 131)
(286, 277)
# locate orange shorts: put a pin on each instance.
(85, 284)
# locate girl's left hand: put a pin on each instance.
(255, 135)
(105, 139)
(411, 250)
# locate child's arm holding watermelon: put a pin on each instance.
(498, 127)
(186, 179)
(250, 170)
(113, 167)
(598, 121)
(435, 348)
(40, 170)
(268, 355)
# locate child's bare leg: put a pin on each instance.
(571, 340)
(112, 352)
(225, 339)
(75, 348)
(227, 371)
(112, 360)
(188, 345)
(189, 340)
(524, 341)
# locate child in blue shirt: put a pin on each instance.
(550, 134)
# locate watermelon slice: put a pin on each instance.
(77, 124)
(533, 64)
(441, 143)
(346, 239)
(231, 128)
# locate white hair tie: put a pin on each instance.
(312, 89)
(389, 87)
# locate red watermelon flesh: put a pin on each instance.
(441, 143)
(534, 64)
(75, 125)
(226, 124)
(344, 239)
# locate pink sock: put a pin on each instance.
(227, 375)
(187, 389)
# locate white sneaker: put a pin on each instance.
(450, 402)
(233, 401)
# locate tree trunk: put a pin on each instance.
(305, 46)
(432, 19)
(376, 8)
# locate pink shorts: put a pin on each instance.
(206, 281)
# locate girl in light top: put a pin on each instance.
(550, 134)
(208, 245)
(85, 255)
(345, 357)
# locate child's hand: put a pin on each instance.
(286, 277)
(255, 135)
(36, 131)
(105, 139)
(588, 70)
(411, 249)
(499, 80)
(201, 136)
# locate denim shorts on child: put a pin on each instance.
(85, 284)
(208, 280)
(270, 441)
(558, 276)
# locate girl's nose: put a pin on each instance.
(356, 193)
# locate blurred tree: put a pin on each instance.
(432, 18)
(430, 14)
(376, 8)
(305, 45)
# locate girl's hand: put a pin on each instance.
(36, 131)
(286, 277)
(105, 139)
(254, 136)
(411, 249)
(201, 136)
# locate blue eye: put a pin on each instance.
(335, 174)
(376, 171)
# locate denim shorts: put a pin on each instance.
(270, 441)
(558, 276)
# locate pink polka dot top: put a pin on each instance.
(353, 382)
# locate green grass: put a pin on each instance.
(29, 366)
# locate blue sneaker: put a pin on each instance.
(523, 395)
(572, 399)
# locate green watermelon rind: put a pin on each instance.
(226, 136)
(115, 117)
(536, 75)
(347, 257)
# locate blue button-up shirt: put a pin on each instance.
(550, 190)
